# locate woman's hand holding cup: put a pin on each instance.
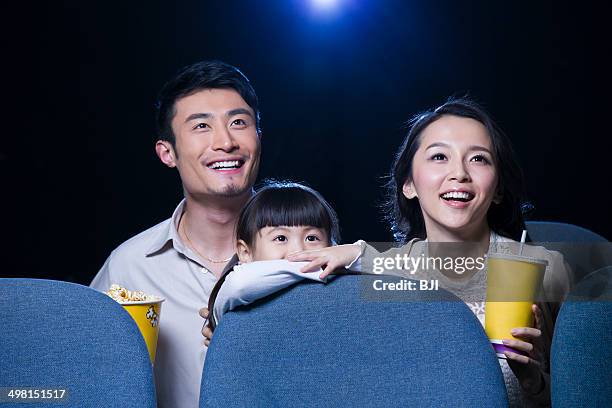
(527, 368)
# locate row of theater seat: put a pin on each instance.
(345, 347)
(305, 346)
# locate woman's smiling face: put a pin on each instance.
(454, 176)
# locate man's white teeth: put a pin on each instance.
(230, 164)
(457, 194)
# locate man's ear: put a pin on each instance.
(409, 190)
(244, 252)
(166, 153)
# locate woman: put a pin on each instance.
(456, 179)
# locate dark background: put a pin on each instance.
(79, 174)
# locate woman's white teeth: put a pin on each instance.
(230, 164)
(457, 194)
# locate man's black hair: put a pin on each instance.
(196, 77)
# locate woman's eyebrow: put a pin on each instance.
(470, 148)
(437, 144)
(479, 148)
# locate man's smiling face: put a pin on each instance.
(217, 145)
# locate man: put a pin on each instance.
(208, 123)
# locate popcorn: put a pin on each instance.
(122, 295)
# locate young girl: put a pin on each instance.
(280, 219)
(456, 179)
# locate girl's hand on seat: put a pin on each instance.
(328, 259)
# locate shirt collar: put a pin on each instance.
(169, 232)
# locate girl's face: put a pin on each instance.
(278, 242)
(454, 176)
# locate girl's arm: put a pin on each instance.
(255, 280)
(331, 258)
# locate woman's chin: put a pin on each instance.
(458, 226)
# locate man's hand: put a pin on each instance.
(206, 331)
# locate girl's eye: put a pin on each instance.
(280, 238)
(480, 158)
(438, 157)
(312, 238)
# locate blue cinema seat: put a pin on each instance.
(62, 335)
(581, 368)
(344, 345)
(585, 251)
(548, 231)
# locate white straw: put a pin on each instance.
(523, 238)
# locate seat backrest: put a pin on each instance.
(548, 231)
(585, 251)
(581, 372)
(59, 335)
(345, 344)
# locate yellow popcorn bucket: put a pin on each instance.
(146, 315)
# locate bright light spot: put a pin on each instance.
(325, 4)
